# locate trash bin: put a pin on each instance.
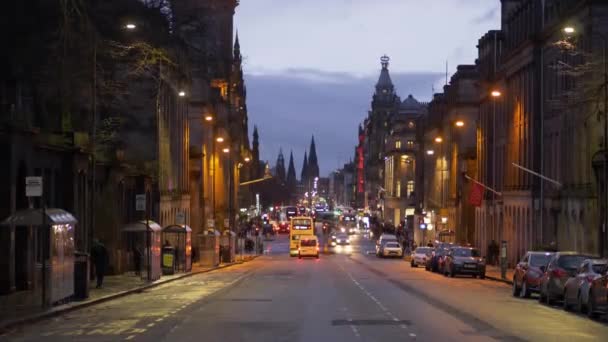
(81, 275)
(168, 260)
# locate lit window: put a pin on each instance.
(398, 144)
(410, 188)
(410, 124)
(398, 189)
(410, 143)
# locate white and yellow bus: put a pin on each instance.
(300, 226)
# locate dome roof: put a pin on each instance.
(410, 103)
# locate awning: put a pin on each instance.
(33, 217)
(142, 226)
(177, 228)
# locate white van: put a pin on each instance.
(384, 238)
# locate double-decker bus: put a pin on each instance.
(300, 226)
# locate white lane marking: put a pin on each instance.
(373, 298)
(412, 335)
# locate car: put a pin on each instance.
(340, 239)
(308, 247)
(464, 260)
(576, 289)
(598, 296)
(561, 267)
(283, 227)
(527, 273)
(420, 255)
(392, 249)
(434, 262)
(382, 240)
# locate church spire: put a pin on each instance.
(256, 152)
(237, 47)
(313, 164)
(280, 167)
(304, 174)
(291, 175)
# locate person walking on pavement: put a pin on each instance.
(430, 244)
(99, 254)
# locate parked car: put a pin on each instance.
(528, 273)
(420, 255)
(576, 289)
(392, 249)
(598, 296)
(464, 260)
(562, 266)
(435, 261)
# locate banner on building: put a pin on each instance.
(476, 195)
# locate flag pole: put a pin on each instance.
(483, 185)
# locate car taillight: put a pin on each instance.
(558, 272)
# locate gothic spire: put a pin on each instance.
(291, 175)
(313, 164)
(237, 47)
(304, 174)
(280, 167)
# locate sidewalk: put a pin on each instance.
(113, 287)
(493, 273)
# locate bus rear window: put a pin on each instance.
(308, 243)
(301, 224)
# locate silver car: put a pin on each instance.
(420, 256)
(576, 289)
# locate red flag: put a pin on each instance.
(476, 195)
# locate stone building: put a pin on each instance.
(531, 125)
(450, 136)
(390, 143)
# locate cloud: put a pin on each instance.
(290, 106)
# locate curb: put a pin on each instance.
(81, 305)
(509, 282)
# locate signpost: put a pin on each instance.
(140, 202)
(34, 188)
(180, 218)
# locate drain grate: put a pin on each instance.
(359, 322)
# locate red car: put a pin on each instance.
(528, 273)
(598, 296)
(283, 227)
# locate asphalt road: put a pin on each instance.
(348, 296)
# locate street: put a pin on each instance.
(351, 295)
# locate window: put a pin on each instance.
(398, 189)
(398, 144)
(411, 124)
(410, 188)
(410, 143)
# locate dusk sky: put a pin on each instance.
(311, 65)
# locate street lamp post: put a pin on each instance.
(604, 208)
(495, 95)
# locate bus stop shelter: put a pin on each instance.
(180, 238)
(44, 258)
(143, 245)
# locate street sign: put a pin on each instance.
(210, 223)
(33, 186)
(180, 217)
(140, 202)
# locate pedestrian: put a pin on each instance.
(430, 244)
(99, 256)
